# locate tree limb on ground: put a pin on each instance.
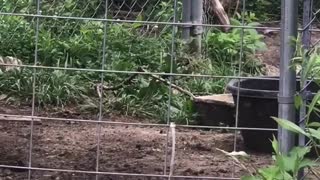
(18, 118)
(168, 83)
(128, 80)
(125, 82)
(99, 87)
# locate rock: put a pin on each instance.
(271, 70)
(10, 60)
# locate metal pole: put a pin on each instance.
(196, 18)
(186, 18)
(287, 86)
(306, 37)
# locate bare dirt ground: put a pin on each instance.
(271, 57)
(124, 149)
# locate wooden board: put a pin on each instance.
(223, 99)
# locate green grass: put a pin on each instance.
(126, 50)
(52, 87)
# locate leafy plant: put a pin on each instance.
(227, 48)
(286, 166)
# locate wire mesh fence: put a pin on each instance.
(106, 90)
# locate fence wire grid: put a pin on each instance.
(89, 67)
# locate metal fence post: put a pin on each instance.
(306, 38)
(196, 18)
(287, 86)
(186, 18)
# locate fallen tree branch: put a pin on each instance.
(128, 80)
(18, 118)
(125, 82)
(168, 83)
(113, 88)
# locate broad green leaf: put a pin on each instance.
(307, 163)
(309, 66)
(274, 173)
(289, 163)
(275, 145)
(235, 22)
(314, 133)
(290, 126)
(299, 152)
(253, 24)
(313, 103)
(280, 162)
(314, 124)
(294, 159)
(270, 172)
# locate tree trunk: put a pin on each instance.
(217, 8)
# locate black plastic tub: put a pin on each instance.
(257, 104)
(215, 109)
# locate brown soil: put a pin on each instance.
(271, 57)
(124, 149)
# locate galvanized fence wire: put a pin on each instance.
(122, 11)
(100, 116)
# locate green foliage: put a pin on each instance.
(79, 44)
(164, 11)
(52, 87)
(15, 30)
(264, 9)
(227, 48)
(286, 167)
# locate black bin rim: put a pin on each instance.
(233, 88)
